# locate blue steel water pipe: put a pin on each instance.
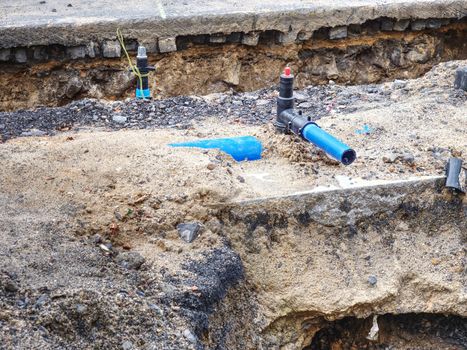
(289, 121)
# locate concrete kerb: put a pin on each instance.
(76, 30)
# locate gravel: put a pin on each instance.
(178, 112)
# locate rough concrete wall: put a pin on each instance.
(323, 256)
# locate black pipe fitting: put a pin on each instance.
(142, 85)
(288, 121)
(453, 175)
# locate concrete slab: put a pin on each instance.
(32, 22)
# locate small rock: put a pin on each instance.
(304, 35)
(96, 239)
(300, 97)
(105, 248)
(461, 79)
(339, 32)
(127, 345)
(188, 231)
(418, 24)
(76, 52)
(5, 54)
(156, 308)
(408, 158)
(54, 10)
(372, 280)
(167, 45)
(42, 300)
(40, 53)
(305, 105)
(217, 39)
(286, 38)
(390, 158)
(241, 179)
(211, 166)
(399, 84)
(33, 132)
(119, 119)
(10, 286)
(250, 39)
(73, 86)
(130, 260)
(190, 336)
(111, 48)
(433, 23)
(387, 25)
(81, 309)
(262, 102)
(92, 49)
(21, 56)
(69, 5)
(401, 25)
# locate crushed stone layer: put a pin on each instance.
(30, 22)
(91, 253)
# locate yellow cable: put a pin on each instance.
(134, 68)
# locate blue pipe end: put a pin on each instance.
(328, 143)
(145, 93)
(240, 148)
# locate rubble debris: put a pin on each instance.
(130, 260)
(167, 45)
(372, 280)
(189, 231)
(111, 49)
(338, 32)
(373, 334)
(460, 81)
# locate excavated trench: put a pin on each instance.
(315, 268)
(421, 331)
(377, 50)
(319, 267)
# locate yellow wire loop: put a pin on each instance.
(133, 67)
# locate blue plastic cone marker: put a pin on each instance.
(240, 148)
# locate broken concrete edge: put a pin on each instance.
(109, 48)
(331, 207)
(289, 22)
(345, 189)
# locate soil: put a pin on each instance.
(366, 56)
(92, 256)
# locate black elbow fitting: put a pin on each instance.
(287, 121)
